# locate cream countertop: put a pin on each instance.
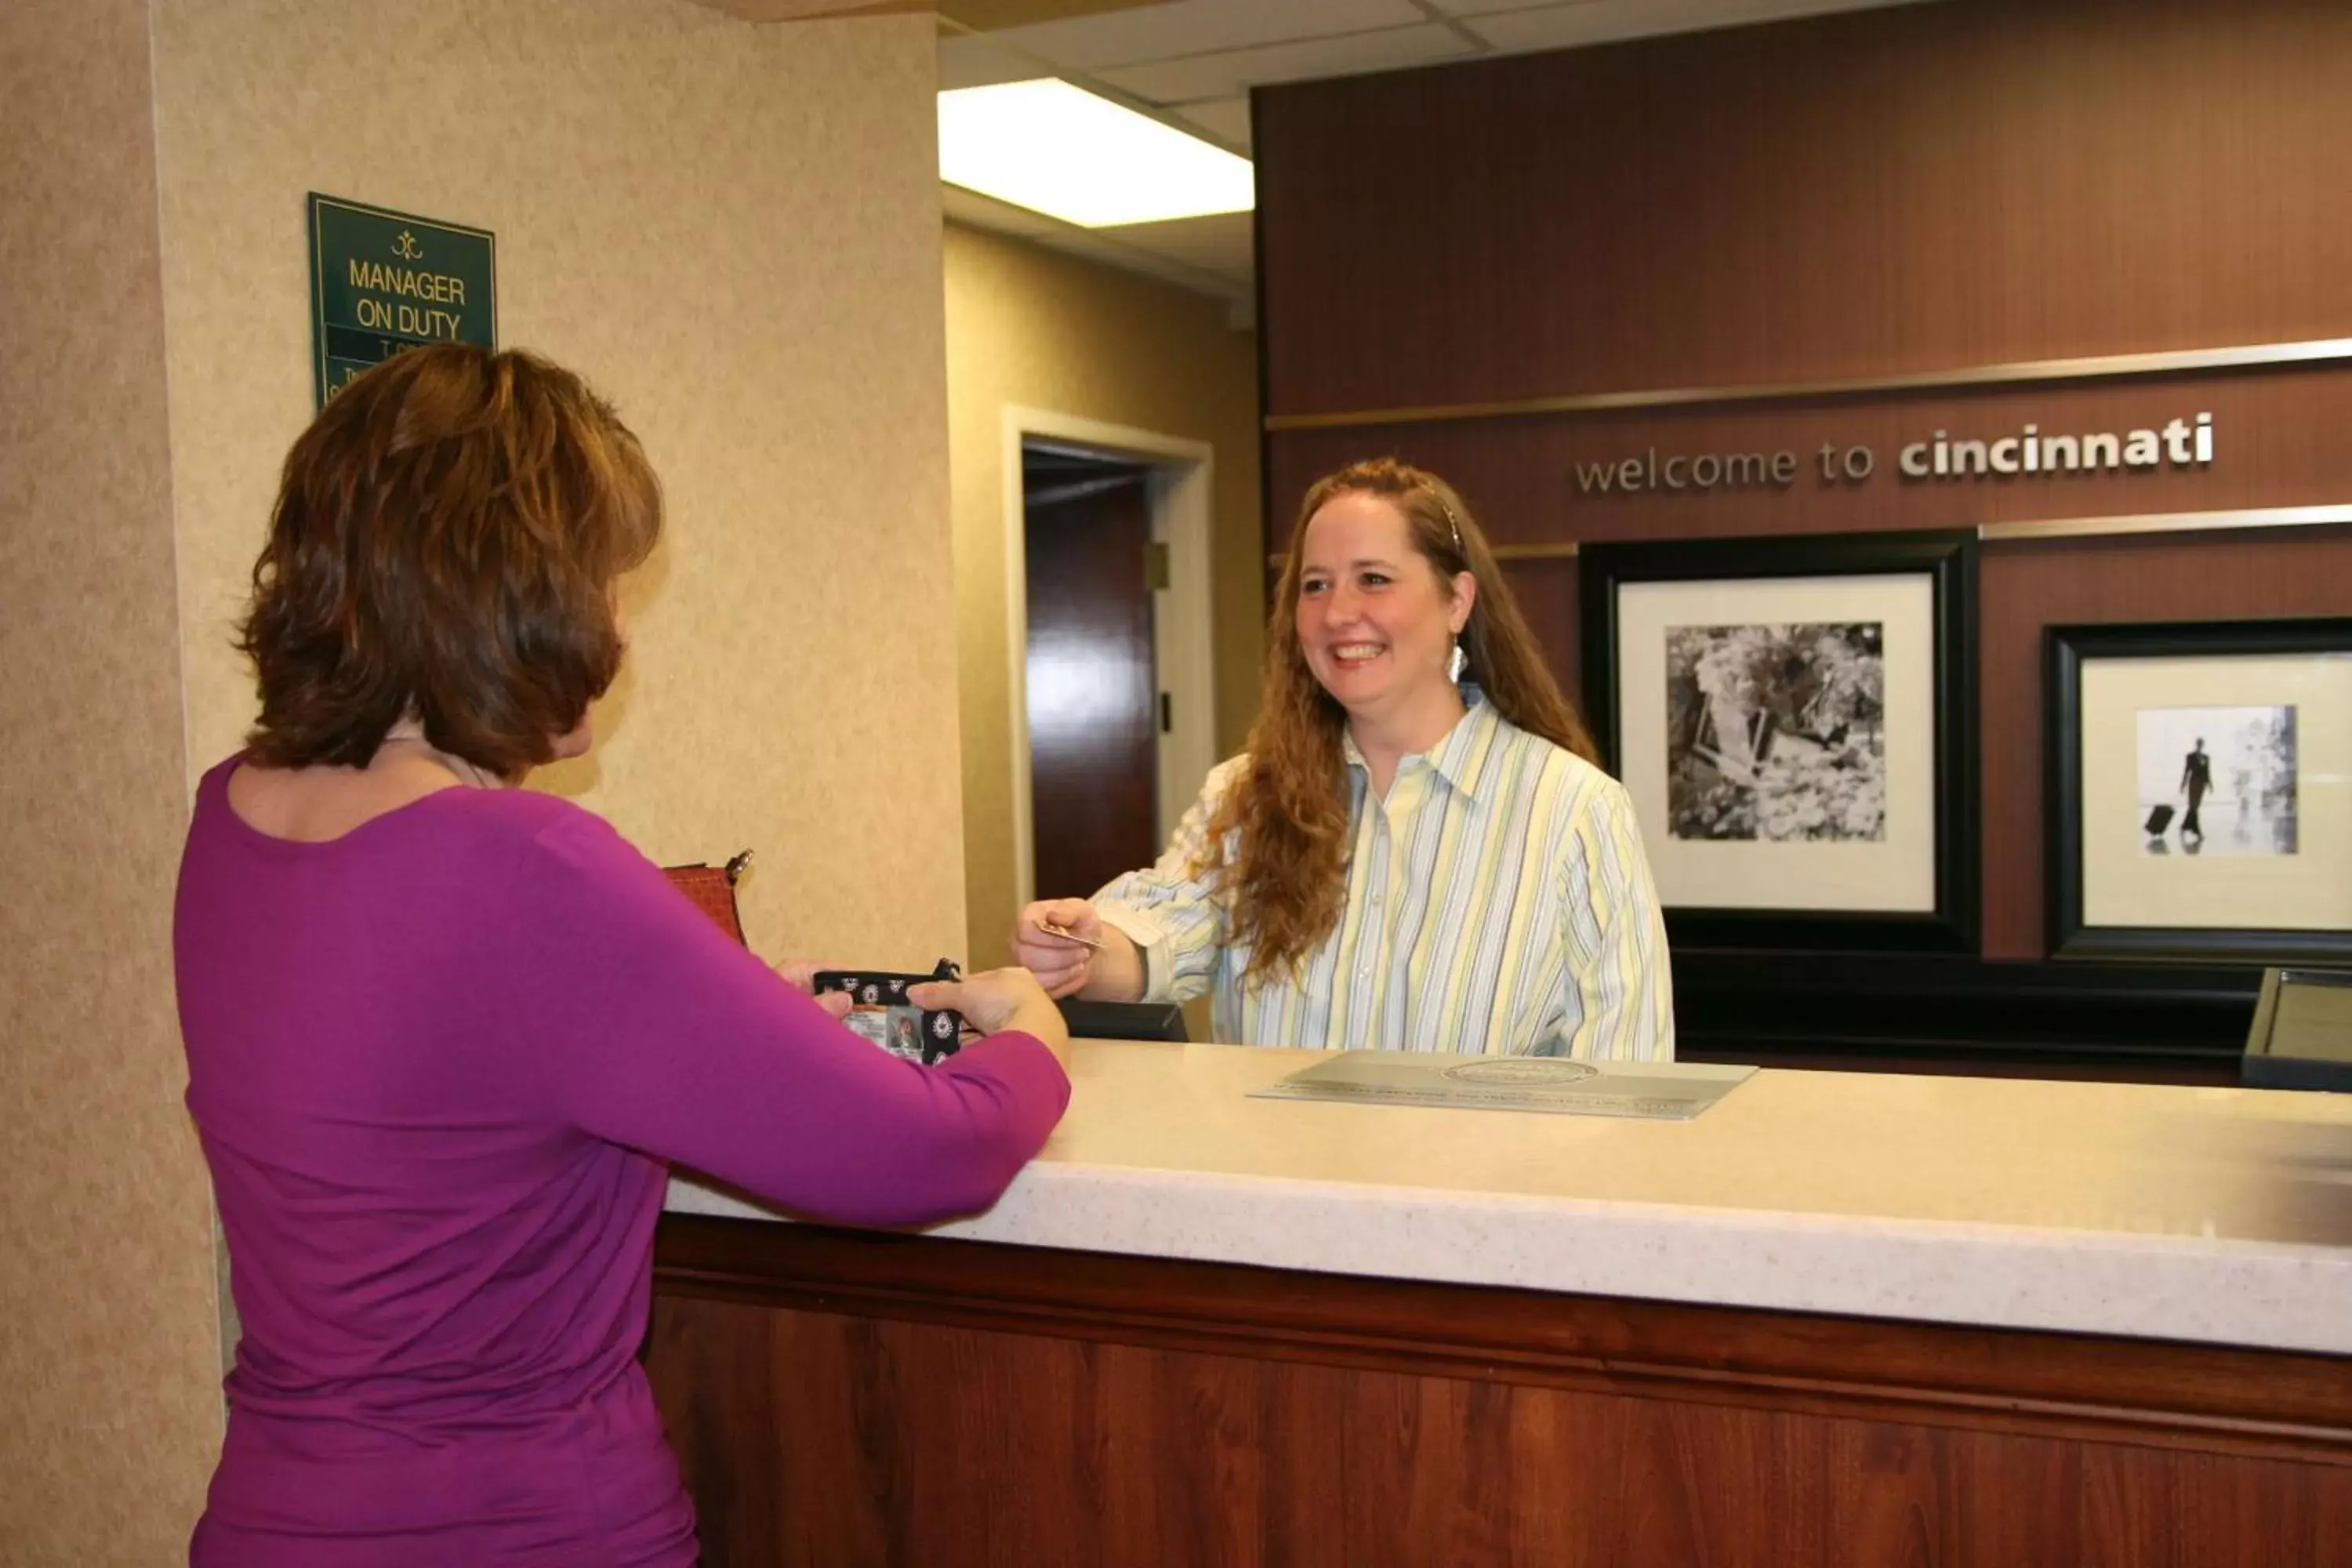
(2171, 1213)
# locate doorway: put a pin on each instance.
(1108, 569)
(1094, 698)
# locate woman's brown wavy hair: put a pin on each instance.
(445, 540)
(1286, 816)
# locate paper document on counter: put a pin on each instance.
(1668, 1091)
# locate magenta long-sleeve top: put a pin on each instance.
(438, 1066)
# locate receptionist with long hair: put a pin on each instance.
(1418, 851)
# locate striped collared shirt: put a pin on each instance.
(1497, 902)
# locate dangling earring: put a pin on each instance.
(1454, 663)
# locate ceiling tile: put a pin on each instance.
(1222, 243)
(987, 212)
(1480, 7)
(1227, 118)
(1518, 29)
(1095, 246)
(978, 60)
(1224, 270)
(766, 11)
(988, 15)
(1233, 72)
(1202, 27)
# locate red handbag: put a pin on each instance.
(711, 889)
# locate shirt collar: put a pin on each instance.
(1461, 757)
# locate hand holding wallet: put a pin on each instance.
(881, 1011)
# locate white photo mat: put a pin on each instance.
(2123, 885)
(1894, 875)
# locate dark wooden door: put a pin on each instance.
(1093, 700)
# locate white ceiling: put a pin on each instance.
(1192, 62)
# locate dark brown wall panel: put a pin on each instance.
(1921, 187)
(1545, 591)
(1913, 189)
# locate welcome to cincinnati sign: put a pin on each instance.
(1942, 457)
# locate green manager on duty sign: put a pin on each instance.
(381, 281)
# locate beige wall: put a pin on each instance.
(107, 1358)
(734, 232)
(1035, 328)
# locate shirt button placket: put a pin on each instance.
(1374, 937)
(1404, 799)
(1370, 937)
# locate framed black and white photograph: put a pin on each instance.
(2200, 802)
(1795, 721)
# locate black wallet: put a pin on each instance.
(879, 1011)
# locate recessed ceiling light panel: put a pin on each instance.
(1061, 150)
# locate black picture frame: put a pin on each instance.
(1948, 560)
(2066, 648)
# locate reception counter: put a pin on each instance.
(1838, 1318)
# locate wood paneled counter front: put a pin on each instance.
(1840, 1318)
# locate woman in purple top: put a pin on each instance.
(443, 1034)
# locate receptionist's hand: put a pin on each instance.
(1062, 964)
